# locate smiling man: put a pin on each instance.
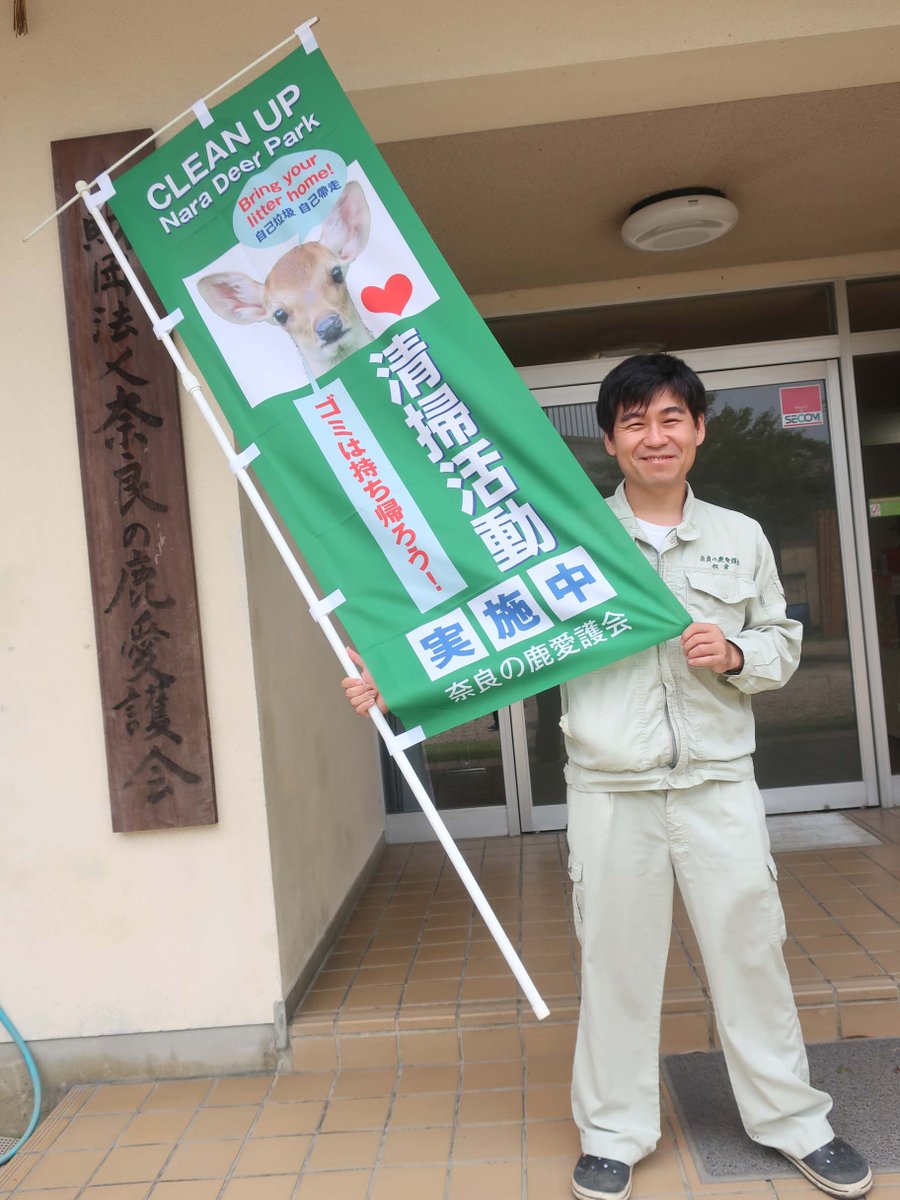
(661, 787)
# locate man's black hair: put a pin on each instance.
(638, 379)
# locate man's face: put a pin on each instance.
(655, 448)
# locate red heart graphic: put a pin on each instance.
(392, 298)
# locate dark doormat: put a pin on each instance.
(861, 1074)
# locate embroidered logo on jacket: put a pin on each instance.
(720, 562)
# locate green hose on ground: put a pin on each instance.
(6, 1155)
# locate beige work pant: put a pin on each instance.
(625, 848)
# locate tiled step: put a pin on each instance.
(851, 1008)
(415, 977)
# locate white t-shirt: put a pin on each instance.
(656, 534)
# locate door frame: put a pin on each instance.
(716, 371)
(495, 820)
(578, 382)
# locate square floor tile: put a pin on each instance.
(548, 1102)
(411, 1183)
(16, 1170)
(87, 1133)
(310, 1085)
(275, 1187)
(251, 1089)
(428, 1108)
(192, 1189)
(150, 1128)
(281, 1120)
(50, 1194)
(336, 1151)
(554, 1068)
(202, 1160)
(414, 1080)
(378, 1081)
(219, 1124)
(178, 1093)
(416, 1147)
(343, 1116)
(117, 1097)
(551, 1139)
(63, 1168)
(481, 1045)
(116, 1191)
(132, 1164)
(487, 1108)
(484, 1076)
(485, 1179)
(273, 1156)
(334, 1185)
(372, 1051)
(549, 1178)
(661, 1173)
(487, 1143)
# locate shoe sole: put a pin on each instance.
(844, 1191)
(588, 1194)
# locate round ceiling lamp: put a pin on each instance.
(679, 219)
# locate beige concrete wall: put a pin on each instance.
(657, 80)
(524, 66)
(105, 933)
(392, 43)
(473, 38)
(102, 932)
(322, 772)
(688, 283)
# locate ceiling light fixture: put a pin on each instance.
(678, 219)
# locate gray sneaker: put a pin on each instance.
(601, 1179)
(837, 1168)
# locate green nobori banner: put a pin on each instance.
(401, 449)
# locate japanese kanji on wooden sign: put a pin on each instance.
(138, 525)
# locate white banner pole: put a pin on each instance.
(192, 384)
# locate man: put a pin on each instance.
(660, 786)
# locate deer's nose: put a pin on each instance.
(330, 328)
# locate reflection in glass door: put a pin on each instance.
(770, 452)
(775, 442)
(775, 450)
(469, 774)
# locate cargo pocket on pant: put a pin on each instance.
(777, 930)
(577, 898)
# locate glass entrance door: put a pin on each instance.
(775, 450)
(470, 774)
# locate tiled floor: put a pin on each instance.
(496, 1127)
(416, 977)
(492, 1128)
(420, 1075)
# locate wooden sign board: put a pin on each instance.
(138, 523)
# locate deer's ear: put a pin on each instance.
(346, 230)
(234, 296)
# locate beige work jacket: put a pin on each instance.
(651, 722)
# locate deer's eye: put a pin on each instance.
(280, 316)
(337, 274)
